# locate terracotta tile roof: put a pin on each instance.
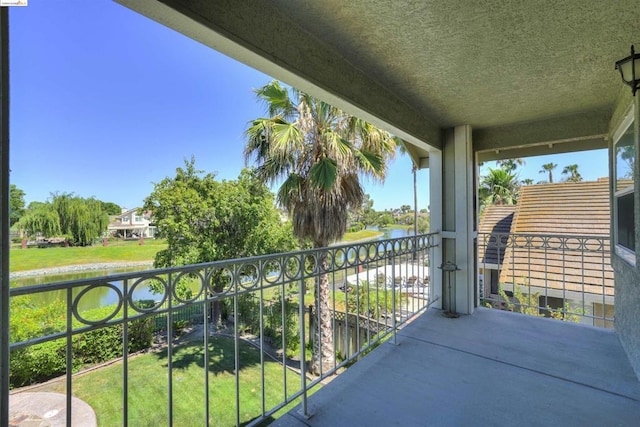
(577, 263)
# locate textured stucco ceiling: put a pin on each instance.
(482, 62)
(508, 68)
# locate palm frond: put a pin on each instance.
(324, 173)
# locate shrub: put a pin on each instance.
(41, 362)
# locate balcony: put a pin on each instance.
(234, 331)
(491, 368)
(248, 331)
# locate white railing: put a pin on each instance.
(568, 277)
(245, 314)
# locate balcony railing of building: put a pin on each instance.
(567, 277)
(239, 314)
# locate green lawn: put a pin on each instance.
(361, 235)
(130, 251)
(148, 373)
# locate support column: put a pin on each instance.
(435, 221)
(458, 229)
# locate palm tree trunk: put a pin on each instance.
(323, 350)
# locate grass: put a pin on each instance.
(130, 251)
(361, 235)
(148, 376)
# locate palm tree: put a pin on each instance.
(548, 168)
(499, 187)
(526, 181)
(510, 165)
(414, 171)
(318, 152)
(574, 175)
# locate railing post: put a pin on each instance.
(393, 296)
(4, 214)
(303, 362)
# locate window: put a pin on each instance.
(623, 200)
(138, 218)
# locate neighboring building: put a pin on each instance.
(495, 224)
(131, 225)
(558, 246)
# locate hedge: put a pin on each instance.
(41, 362)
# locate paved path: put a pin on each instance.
(77, 268)
(41, 409)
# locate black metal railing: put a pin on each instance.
(240, 318)
(563, 276)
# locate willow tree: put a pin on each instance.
(318, 153)
(80, 221)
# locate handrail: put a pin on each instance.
(371, 309)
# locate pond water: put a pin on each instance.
(103, 296)
(98, 297)
(394, 233)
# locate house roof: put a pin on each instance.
(543, 249)
(496, 219)
(564, 208)
(518, 72)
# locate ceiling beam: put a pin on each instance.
(585, 129)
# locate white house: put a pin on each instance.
(131, 224)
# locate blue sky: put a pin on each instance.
(104, 102)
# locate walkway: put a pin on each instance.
(492, 368)
(48, 410)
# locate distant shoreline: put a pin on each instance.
(77, 268)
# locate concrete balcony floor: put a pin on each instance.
(491, 368)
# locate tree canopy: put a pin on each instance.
(16, 204)
(548, 168)
(572, 171)
(206, 220)
(499, 187)
(318, 153)
(111, 208)
(79, 220)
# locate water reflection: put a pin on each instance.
(98, 297)
(102, 296)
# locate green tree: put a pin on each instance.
(548, 168)
(499, 187)
(41, 219)
(572, 171)
(360, 216)
(385, 219)
(80, 221)
(526, 181)
(318, 152)
(205, 220)
(424, 222)
(628, 154)
(510, 165)
(16, 204)
(111, 208)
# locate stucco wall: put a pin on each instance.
(627, 303)
(627, 277)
